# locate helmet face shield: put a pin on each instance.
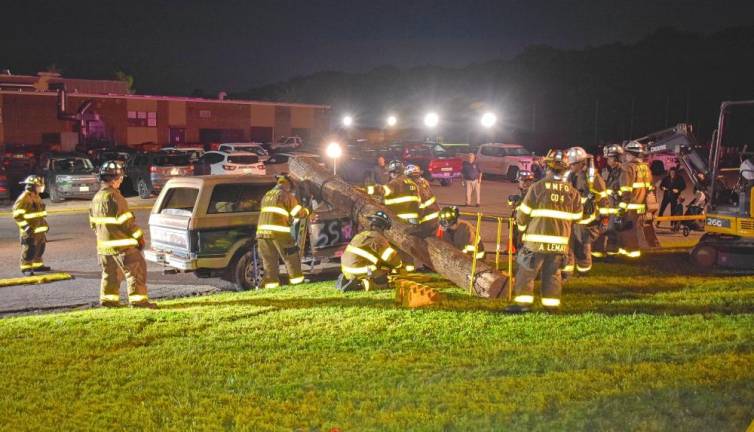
(448, 216)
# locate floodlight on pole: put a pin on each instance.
(431, 120)
(392, 120)
(334, 151)
(347, 121)
(488, 120)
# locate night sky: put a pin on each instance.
(174, 47)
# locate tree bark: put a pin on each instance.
(441, 256)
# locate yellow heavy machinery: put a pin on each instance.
(728, 241)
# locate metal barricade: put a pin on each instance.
(500, 220)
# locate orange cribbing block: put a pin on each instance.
(412, 294)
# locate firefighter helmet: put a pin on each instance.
(33, 180)
(395, 166)
(380, 220)
(448, 216)
(111, 168)
(556, 160)
(635, 148)
(576, 155)
(412, 170)
(612, 150)
(283, 179)
(524, 176)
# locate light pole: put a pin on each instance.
(431, 120)
(334, 151)
(391, 121)
(488, 120)
(347, 121)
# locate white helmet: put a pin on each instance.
(636, 148)
(576, 155)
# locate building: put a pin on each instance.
(30, 116)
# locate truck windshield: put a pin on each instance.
(70, 165)
(245, 159)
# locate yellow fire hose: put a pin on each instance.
(30, 280)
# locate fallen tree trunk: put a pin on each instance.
(440, 256)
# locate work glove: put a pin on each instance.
(142, 243)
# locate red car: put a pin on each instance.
(436, 160)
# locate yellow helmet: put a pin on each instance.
(556, 160)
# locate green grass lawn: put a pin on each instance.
(636, 348)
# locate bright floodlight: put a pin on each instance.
(333, 150)
(392, 120)
(431, 120)
(488, 120)
(347, 121)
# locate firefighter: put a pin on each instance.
(29, 213)
(592, 190)
(369, 257)
(459, 233)
(401, 195)
(546, 215)
(429, 210)
(274, 235)
(607, 243)
(525, 179)
(119, 242)
(635, 185)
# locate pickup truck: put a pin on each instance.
(207, 225)
(504, 159)
(437, 162)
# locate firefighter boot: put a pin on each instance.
(517, 309)
(144, 305)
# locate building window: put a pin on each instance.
(142, 118)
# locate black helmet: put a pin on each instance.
(111, 168)
(380, 220)
(33, 180)
(556, 160)
(395, 166)
(448, 216)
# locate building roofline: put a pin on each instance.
(168, 98)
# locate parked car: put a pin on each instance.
(287, 143)
(148, 172)
(435, 160)
(220, 162)
(68, 175)
(207, 225)
(250, 147)
(18, 162)
(98, 156)
(194, 153)
(278, 162)
(4, 189)
(503, 159)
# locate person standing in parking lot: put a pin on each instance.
(472, 179)
(29, 213)
(672, 186)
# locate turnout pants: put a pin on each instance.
(272, 249)
(628, 240)
(375, 280)
(129, 264)
(531, 264)
(580, 256)
(32, 249)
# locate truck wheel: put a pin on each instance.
(704, 256)
(143, 188)
(512, 173)
(444, 182)
(246, 273)
(55, 195)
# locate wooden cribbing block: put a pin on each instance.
(413, 294)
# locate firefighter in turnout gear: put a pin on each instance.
(524, 179)
(635, 186)
(546, 215)
(459, 233)
(591, 187)
(607, 243)
(429, 210)
(274, 236)
(29, 213)
(401, 195)
(119, 242)
(369, 257)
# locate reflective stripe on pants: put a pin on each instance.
(129, 264)
(271, 251)
(531, 264)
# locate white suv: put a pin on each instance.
(220, 162)
(503, 159)
(251, 147)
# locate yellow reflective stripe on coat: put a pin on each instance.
(429, 217)
(468, 248)
(18, 212)
(296, 280)
(524, 299)
(41, 229)
(22, 223)
(626, 188)
(556, 214)
(525, 209)
(639, 185)
(387, 253)
(296, 210)
(276, 228)
(137, 298)
(138, 233)
(480, 255)
(539, 238)
(35, 215)
(521, 228)
(427, 203)
(357, 270)
(277, 210)
(408, 215)
(401, 199)
(550, 302)
(117, 243)
(362, 253)
(370, 190)
(386, 190)
(588, 220)
(109, 220)
(608, 211)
